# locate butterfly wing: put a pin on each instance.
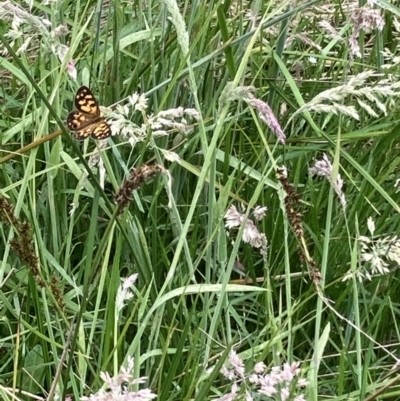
(84, 133)
(86, 102)
(86, 120)
(101, 131)
(77, 120)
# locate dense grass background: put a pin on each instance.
(191, 304)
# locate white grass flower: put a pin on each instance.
(124, 292)
(102, 170)
(23, 48)
(160, 122)
(337, 185)
(376, 255)
(285, 394)
(302, 383)
(259, 368)
(290, 371)
(232, 395)
(121, 125)
(160, 132)
(237, 363)
(330, 30)
(393, 253)
(227, 373)
(367, 18)
(120, 387)
(233, 218)
(267, 386)
(358, 274)
(13, 34)
(371, 225)
(358, 88)
(364, 19)
(235, 367)
(277, 382)
(251, 234)
(171, 113)
(254, 378)
(303, 38)
(33, 26)
(265, 113)
(74, 207)
(354, 46)
(122, 109)
(61, 51)
(95, 158)
(71, 69)
(192, 113)
(154, 123)
(133, 99)
(324, 168)
(368, 108)
(269, 381)
(141, 104)
(167, 121)
(45, 22)
(170, 156)
(59, 31)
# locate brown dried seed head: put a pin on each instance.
(136, 178)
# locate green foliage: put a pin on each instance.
(61, 324)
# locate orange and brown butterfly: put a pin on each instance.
(86, 121)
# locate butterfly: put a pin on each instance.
(86, 120)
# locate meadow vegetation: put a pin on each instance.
(236, 237)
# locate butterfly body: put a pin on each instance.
(86, 121)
